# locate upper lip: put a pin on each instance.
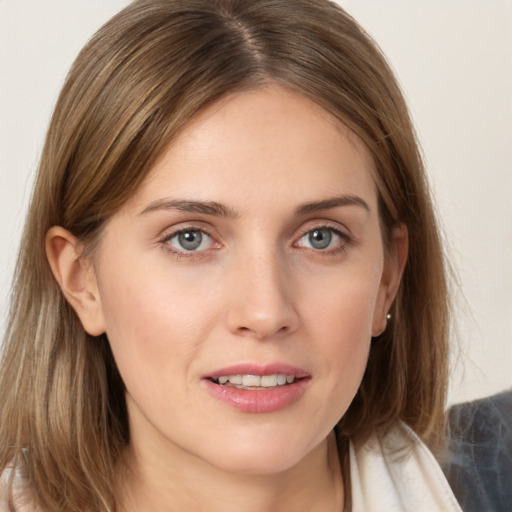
(258, 369)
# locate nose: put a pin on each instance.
(261, 300)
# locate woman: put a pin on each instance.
(230, 292)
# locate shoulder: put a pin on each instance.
(14, 496)
(484, 418)
(396, 471)
(4, 493)
(479, 460)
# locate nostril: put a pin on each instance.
(262, 321)
(262, 333)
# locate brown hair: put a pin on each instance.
(134, 86)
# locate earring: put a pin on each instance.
(388, 318)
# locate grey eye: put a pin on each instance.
(320, 238)
(190, 240)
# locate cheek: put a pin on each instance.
(340, 319)
(344, 329)
(343, 307)
(153, 323)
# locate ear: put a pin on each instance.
(394, 264)
(76, 278)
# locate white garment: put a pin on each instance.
(20, 496)
(398, 474)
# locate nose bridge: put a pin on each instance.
(262, 303)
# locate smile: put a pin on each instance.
(255, 381)
(253, 388)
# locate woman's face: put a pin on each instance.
(240, 287)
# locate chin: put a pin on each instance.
(261, 455)
(263, 464)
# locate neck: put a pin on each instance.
(152, 483)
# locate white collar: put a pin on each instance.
(398, 473)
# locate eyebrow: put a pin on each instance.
(333, 202)
(220, 210)
(183, 205)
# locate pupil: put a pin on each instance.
(190, 240)
(320, 238)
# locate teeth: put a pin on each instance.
(268, 381)
(257, 381)
(251, 381)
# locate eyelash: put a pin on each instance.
(342, 246)
(165, 241)
(345, 241)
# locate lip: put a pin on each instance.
(258, 400)
(258, 369)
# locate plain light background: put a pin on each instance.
(453, 59)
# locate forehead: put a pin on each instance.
(269, 142)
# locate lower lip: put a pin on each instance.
(258, 400)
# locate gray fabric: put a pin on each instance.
(479, 462)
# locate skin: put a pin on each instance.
(255, 291)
